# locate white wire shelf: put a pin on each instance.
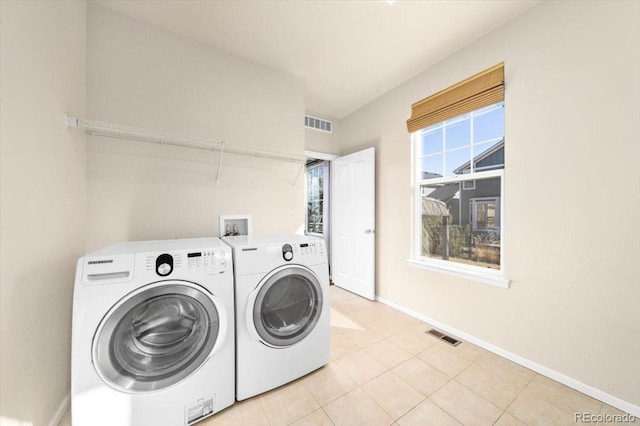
(111, 130)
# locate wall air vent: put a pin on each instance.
(317, 124)
(450, 340)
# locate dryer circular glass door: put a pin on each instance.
(156, 336)
(287, 305)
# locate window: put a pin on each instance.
(458, 164)
(465, 152)
(485, 214)
(468, 185)
(315, 197)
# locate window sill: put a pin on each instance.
(494, 278)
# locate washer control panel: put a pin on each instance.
(211, 261)
(208, 261)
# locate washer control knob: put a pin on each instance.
(164, 269)
(164, 265)
(287, 252)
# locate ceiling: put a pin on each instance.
(347, 52)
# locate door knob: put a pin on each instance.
(368, 231)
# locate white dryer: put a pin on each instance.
(153, 333)
(282, 310)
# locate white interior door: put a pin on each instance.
(353, 222)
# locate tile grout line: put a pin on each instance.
(443, 409)
(264, 411)
(482, 397)
(413, 387)
(389, 414)
(449, 381)
(449, 377)
(519, 393)
(453, 379)
(485, 369)
(327, 414)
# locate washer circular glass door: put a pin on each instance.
(156, 336)
(287, 305)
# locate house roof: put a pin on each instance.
(430, 175)
(484, 154)
(445, 192)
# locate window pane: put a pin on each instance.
(458, 134)
(432, 167)
(457, 162)
(462, 226)
(488, 156)
(432, 142)
(489, 125)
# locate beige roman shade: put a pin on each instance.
(481, 90)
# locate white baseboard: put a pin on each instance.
(62, 408)
(541, 369)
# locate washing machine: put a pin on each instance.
(282, 310)
(153, 333)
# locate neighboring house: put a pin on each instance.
(476, 203)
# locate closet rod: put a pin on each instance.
(98, 128)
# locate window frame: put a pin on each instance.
(470, 188)
(495, 277)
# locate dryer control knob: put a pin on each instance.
(287, 252)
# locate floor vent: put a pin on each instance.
(450, 340)
(317, 124)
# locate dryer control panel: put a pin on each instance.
(310, 252)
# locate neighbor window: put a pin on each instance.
(458, 163)
(485, 215)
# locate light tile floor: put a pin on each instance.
(385, 370)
